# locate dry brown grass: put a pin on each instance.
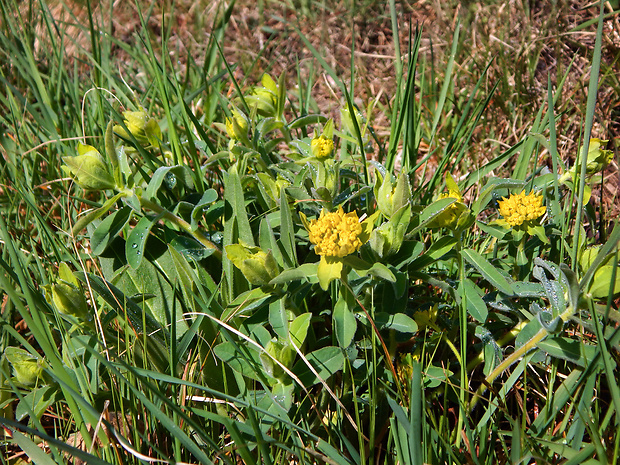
(527, 42)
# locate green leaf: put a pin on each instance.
(108, 229)
(110, 150)
(433, 211)
(298, 329)
(208, 197)
(36, 402)
(134, 247)
(90, 170)
(397, 322)
(378, 269)
(434, 376)
(278, 318)
(190, 248)
(33, 452)
(246, 362)
(95, 214)
(527, 289)
(487, 270)
(282, 394)
(122, 305)
(325, 362)
(345, 324)
(306, 120)
(236, 226)
(287, 232)
(603, 284)
(570, 350)
(168, 175)
(475, 305)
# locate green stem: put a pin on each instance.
(181, 223)
(509, 336)
(516, 355)
(463, 337)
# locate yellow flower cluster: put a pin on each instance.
(322, 146)
(336, 234)
(519, 208)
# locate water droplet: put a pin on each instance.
(170, 179)
(134, 245)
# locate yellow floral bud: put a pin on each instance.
(28, 370)
(596, 160)
(237, 126)
(146, 130)
(456, 215)
(257, 266)
(89, 169)
(322, 147)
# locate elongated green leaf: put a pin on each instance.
(307, 120)
(208, 197)
(36, 402)
(475, 305)
(110, 151)
(487, 270)
(108, 229)
(278, 318)
(298, 329)
(246, 363)
(122, 305)
(397, 322)
(287, 233)
(306, 271)
(431, 212)
(33, 452)
(437, 250)
(345, 324)
(95, 214)
(134, 247)
(168, 175)
(325, 362)
(570, 350)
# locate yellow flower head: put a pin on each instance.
(520, 208)
(322, 146)
(336, 234)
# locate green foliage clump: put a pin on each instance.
(251, 285)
